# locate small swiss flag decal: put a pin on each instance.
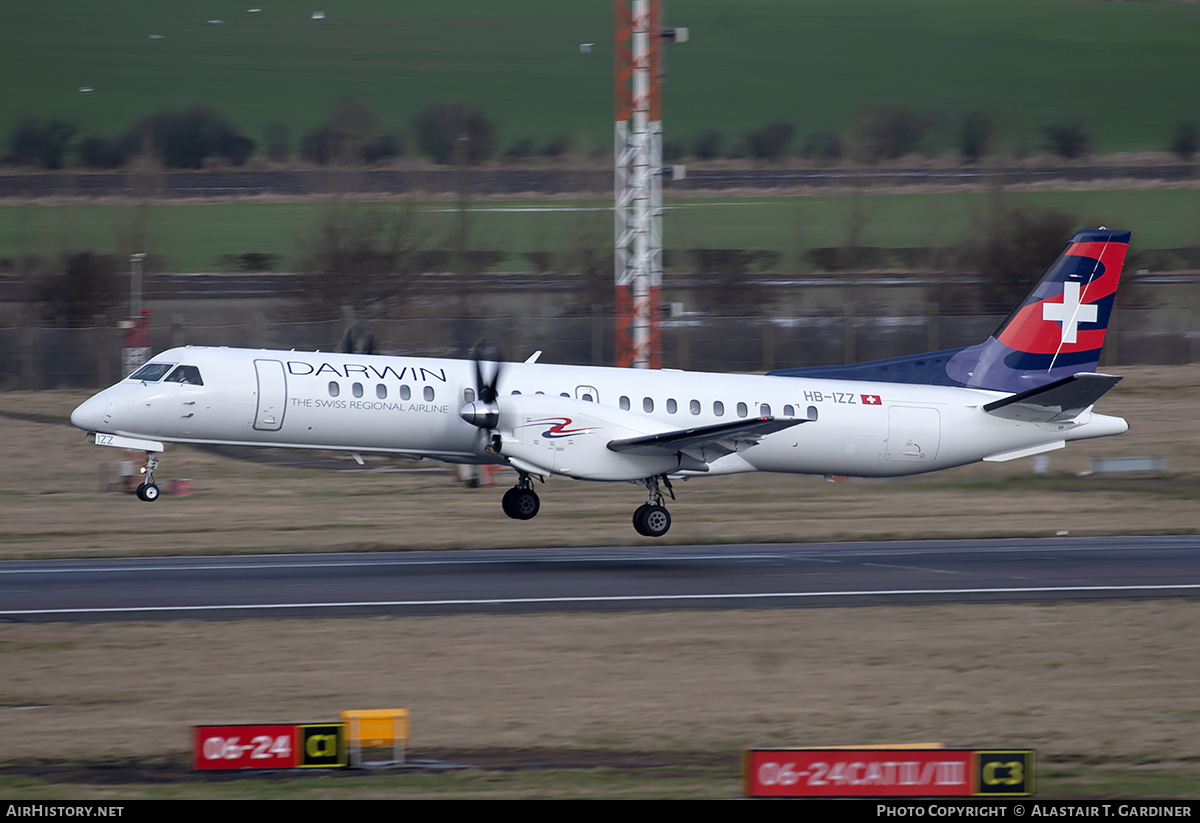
(870, 399)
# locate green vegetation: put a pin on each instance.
(195, 237)
(1126, 71)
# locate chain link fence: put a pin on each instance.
(55, 358)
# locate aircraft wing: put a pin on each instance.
(1061, 400)
(705, 443)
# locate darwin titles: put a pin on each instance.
(302, 369)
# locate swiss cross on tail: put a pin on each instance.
(1070, 312)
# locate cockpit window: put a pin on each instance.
(151, 372)
(186, 374)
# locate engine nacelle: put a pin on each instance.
(562, 435)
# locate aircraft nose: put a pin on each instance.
(90, 413)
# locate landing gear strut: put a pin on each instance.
(521, 501)
(652, 519)
(148, 490)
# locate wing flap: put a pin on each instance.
(704, 443)
(1054, 402)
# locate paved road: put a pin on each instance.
(603, 579)
(546, 181)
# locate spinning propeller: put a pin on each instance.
(484, 412)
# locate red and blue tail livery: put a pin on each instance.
(1056, 331)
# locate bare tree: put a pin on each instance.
(590, 257)
(77, 288)
(357, 260)
(352, 134)
(1013, 247)
(439, 128)
(890, 132)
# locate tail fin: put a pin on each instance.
(1058, 328)
(1056, 331)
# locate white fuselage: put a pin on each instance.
(411, 406)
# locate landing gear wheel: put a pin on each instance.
(525, 504)
(148, 492)
(521, 504)
(506, 503)
(651, 521)
(639, 518)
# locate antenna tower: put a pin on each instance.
(637, 182)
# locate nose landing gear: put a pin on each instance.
(148, 490)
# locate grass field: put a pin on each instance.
(1126, 70)
(1104, 692)
(194, 237)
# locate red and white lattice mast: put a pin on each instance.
(638, 179)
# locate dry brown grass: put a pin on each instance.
(1111, 682)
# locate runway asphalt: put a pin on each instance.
(602, 579)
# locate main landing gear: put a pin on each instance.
(148, 490)
(521, 501)
(652, 519)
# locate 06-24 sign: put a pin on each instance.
(289, 746)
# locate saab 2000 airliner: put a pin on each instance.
(1027, 389)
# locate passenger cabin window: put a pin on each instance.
(812, 412)
(185, 374)
(718, 408)
(564, 394)
(624, 403)
(334, 389)
(588, 397)
(789, 411)
(764, 409)
(741, 409)
(151, 372)
(694, 406)
(405, 393)
(381, 391)
(671, 406)
(357, 390)
(647, 405)
(429, 392)
(468, 395)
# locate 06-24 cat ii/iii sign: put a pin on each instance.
(838, 772)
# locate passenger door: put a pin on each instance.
(272, 395)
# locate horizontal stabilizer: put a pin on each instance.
(705, 443)
(1054, 402)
